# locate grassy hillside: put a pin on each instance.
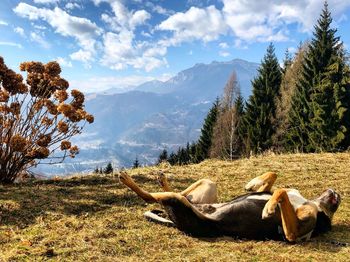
(96, 218)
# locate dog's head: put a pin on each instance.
(327, 204)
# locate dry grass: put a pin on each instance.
(95, 218)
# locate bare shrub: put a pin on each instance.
(37, 118)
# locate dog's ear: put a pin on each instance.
(323, 224)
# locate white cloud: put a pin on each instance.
(139, 18)
(37, 38)
(71, 6)
(46, 1)
(159, 9)
(292, 49)
(265, 21)
(39, 27)
(82, 29)
(63, 62)
(196, 24)
(224, 54)
(120, 48)
(223, 45)
(146, 34)
(239, 44)
(11, 44)
(123, 18)
(20, 31)
(120, 52)
(82, 56)
(3, 23)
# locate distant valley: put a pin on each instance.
(151, 117)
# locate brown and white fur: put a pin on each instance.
(260, 214)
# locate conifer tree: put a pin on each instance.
(261, 105)
(136, 163)
(205, 140)
(287, 61)
(172, 158)
(320, 106)
(163, 156)
(240, 111)
(108, 169)
(192, 152)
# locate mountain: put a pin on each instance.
(155, 115)
(204, 81)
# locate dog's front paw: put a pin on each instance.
(124, 178)
(269, 209)
(254, 184)
(162, 179)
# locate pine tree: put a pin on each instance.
(181, 156)
(172, 158)
(240, 111)
(192, 152)
(136, 163)
(287, 61)
(205, 140)
(163, 156)
(319, 116)
(108, 169)
(261, 107)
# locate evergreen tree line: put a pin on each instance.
(303, 106)
(108, 169)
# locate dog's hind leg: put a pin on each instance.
(130, 183)
(203, 191)
(263, 183)
(161, 197)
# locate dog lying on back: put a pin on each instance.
(263, 213)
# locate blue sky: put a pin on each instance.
(114, 43)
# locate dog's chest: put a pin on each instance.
(295, 198)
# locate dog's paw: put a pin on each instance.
(269, 209)
(162, 179)
(254, 184)
(124, 177)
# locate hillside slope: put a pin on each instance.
(97, 218)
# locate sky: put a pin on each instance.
(102, 44)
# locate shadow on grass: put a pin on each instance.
(330, 242)
(21, 204)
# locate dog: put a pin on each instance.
(265, 212)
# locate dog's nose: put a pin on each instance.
(331, 191)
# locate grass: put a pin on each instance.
(95, 218)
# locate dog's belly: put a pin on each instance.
(295, 198)
(239, 218)
(243, 218)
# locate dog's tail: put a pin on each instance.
(155, 216)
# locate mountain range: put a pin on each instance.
(153, 116)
